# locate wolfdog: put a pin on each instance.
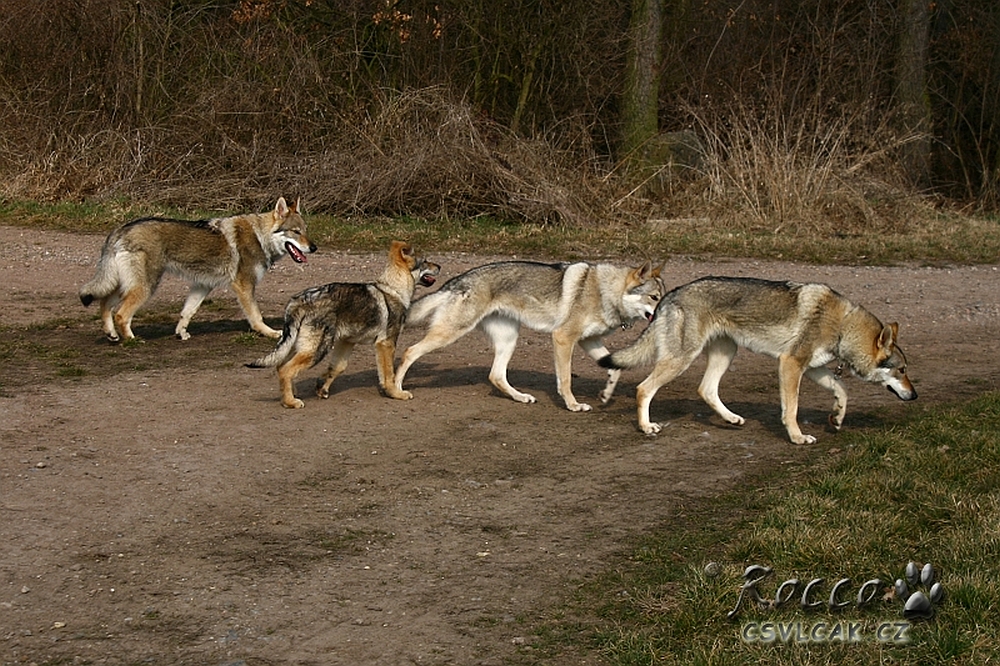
(341, 315)
(577, 302)
(804, 326)
(207, 253)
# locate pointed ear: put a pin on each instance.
(400, 248)
(281, 208)
(638, 275)
(656, 271)
(298, 205)
(887, 337)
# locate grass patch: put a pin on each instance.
(934, 238)
(926, 491)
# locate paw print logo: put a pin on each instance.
(918, 604)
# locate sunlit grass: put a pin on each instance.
(927, 491)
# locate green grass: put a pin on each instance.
(936, 238)
(926, 491)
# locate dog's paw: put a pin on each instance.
(271, 333)
(579, 407)
(651, 428)
(802, 439)
(525, 398)
(182, 334)
(835, 420)
(401, 395)
(294, 404)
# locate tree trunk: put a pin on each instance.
(915, 120)
(642, 78)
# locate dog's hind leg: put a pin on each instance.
(193, 301)
(828, 380)
(108, 304)
(503, 333)
(437, 336)
(719, 353)
(338, 363)
(131, 301)
(287, 372)
(665, 371)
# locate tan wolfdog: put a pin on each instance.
(576, 303)
(207, 253)
(339, 316)
(804, 326)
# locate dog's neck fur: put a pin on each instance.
(394, 284)
(848, 348)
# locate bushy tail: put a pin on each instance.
(105, 281)
(424, 307)
(286, 343)
(641, 352)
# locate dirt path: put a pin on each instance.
(159, 506)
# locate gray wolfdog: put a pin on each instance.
(804, 326)
(207, 253)
(578, 302)
(341, 315)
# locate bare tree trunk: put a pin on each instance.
(642, 77)
(911, 89)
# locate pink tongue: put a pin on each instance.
(295, 253)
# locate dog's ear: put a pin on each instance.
(638, 275)
(281, 208)
(298, 205)
(887, 338)
(401, 249)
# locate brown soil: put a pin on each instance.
(158, 505)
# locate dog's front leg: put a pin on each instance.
(338, 363)
(385, 352)
(828, 380)
(244, 288)
(790, 372)
(563, 342)
(596, 350)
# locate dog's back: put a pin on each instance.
(519, 289)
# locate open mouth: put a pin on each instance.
(650, 316)
(295, 253)
(427, 280)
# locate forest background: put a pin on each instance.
(830, 117)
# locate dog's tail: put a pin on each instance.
(424, 307)
(106, 280)
(286, 343)
(641, 352)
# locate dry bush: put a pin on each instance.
(775, 168)
(417, 153)
(422, 152)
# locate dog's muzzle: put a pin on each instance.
(902, 394)
(295, 253)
